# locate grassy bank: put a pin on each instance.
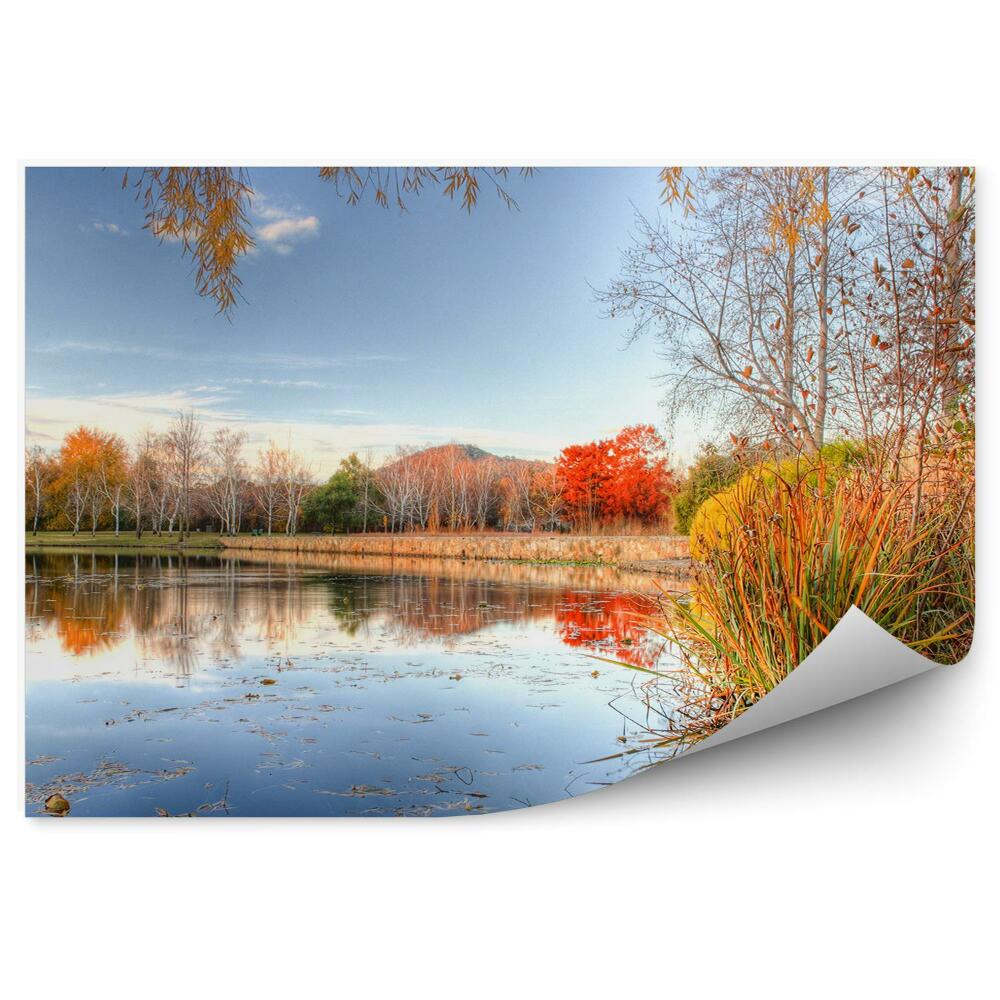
(588, 550)
(126, 540)
(642, 553)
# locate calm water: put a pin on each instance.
(315, 686)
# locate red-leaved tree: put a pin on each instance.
(624, 478)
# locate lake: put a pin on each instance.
(214, 685)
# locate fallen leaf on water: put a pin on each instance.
(56, 805)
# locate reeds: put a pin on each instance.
(798, 555)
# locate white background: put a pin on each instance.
(849, 854)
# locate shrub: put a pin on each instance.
(719, 514)
(711, 473)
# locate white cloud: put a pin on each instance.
(300, 383)
(281, 224)
(264, 208)
(278, 225)
(111, 228)
(282, 234)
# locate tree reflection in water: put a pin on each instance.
(180, 607)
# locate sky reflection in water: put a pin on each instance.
(400, 687)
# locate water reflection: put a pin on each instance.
(177, 605)
(175, 684)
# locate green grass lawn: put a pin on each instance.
(126, 540)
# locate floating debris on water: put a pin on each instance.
(56, 805)
(405, 680)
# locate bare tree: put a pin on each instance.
(225, 489)
(185, 441)
(296, 480)
(39, 474)
(796, 304)
(268, 486)
(111, 477)
(75, 497)
(737, 297)
(142, 474)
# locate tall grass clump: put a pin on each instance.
(797, 554)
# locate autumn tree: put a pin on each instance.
(78, 483)
(640, 483)
(910, 309)
(625, 478)
(583, 471)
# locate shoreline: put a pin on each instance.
(655, 554)
(621, 551)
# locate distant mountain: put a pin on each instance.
(468, 450)
(463, 451)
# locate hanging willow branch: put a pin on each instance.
(206, 209)
(383, 183)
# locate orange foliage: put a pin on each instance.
(81, 449)
(622, 478)
(610, 625)
(89, 461)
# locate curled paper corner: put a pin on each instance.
(856, 658)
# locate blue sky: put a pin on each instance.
(363, 328)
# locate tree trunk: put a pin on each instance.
(822, 348)
(953, 275)
(788, 359)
